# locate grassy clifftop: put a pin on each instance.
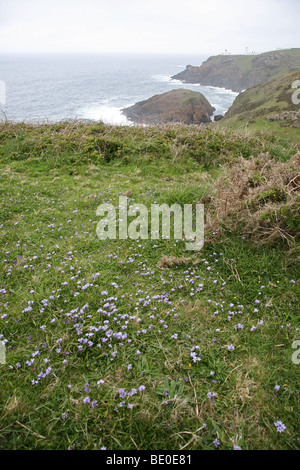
(240, 72)
(137, 344)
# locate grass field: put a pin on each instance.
(139, 344)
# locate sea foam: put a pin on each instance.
(106, 113)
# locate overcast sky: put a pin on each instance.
(148, 26)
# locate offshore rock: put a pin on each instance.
(181, 105)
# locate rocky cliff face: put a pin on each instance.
(180, 105)
(240, 72)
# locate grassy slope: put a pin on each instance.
(52, 180)
(251, 107)
(262, 100)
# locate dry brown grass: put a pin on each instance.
(259, 197)
(168, 261)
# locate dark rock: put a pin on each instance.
(288, 118)
(218, 117)
(180, 105)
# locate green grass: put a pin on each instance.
(285, 136)
(251, 108)
(53, 178)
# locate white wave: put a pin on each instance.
(221, 90)
(107, 114)
(219, 109)
(161, 78)
(175, 81)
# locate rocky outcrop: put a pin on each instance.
(218, 117)
(286, 118)
(179, 105)
(240, 72)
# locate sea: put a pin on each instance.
(53, 88)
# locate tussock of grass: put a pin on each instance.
(259, 198)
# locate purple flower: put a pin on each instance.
(211, 396)
(86, 400)
(280, 426)
(122, 393)
(216, 443)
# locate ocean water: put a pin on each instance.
(53, 88)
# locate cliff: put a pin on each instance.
(180, 105)
(240, 72)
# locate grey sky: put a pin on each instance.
(158, 26)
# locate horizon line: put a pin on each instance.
(147, 53)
